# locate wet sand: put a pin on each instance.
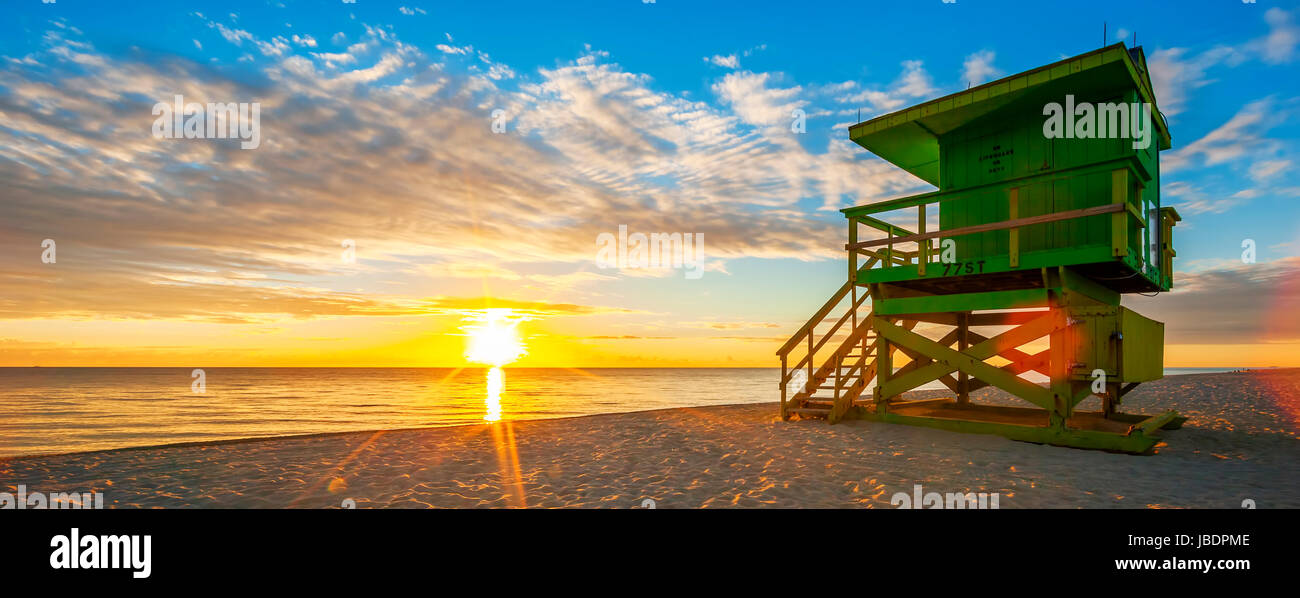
(1240, 442)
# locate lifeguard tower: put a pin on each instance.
(1030, 241)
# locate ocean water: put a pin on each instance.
(61, 410)
(1182, 371)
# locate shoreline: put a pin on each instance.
(193, 443)
(1241, 443)
(224, 441)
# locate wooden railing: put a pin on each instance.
(808, 337)
(884, 251)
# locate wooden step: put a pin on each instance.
(811, 412)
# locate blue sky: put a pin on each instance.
(668, 115)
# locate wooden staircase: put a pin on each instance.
(827, 388)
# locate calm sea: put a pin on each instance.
(60, 410)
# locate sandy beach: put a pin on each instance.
(1239, 443)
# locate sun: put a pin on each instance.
(494, 337)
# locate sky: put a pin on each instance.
(472, 154)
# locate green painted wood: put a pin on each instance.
(980, 145)
(1135, 443)
(986, 152)
(1074, 256)
(1142, 355)
(1073, 282)
(913, 138)
(912, 201)
(1156, 422)
(970, 361)
(962, 302)
(1125, 345)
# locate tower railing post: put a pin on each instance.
(1119, 219)
(853, 272)
(889, 249)
(784, 382)
(923, 246)
(811, 351)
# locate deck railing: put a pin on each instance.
(923, 246)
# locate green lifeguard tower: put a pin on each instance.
(1039, 229)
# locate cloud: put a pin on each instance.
(731, 325)
(913, 83)
(446, 49)
(459, 305)
(1177, 72)
(1231, 140)
(978, 68)
(1238, 304)
(411, 11)
(234, 36)
(732, 61)
(629, 337)
(1265, 170)
(1240, 144)
(335, 59)
(754, 101)
(393, 148)
(1279, 45)
(729, 61)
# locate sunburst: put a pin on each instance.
(494, 337)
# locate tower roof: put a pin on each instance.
(909, 138)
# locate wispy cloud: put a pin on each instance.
(978, 68)
(1237, 303)
(392, 147)
(1177, 72)
(729, 61)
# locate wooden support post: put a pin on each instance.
(889, 248)
(1145, 234)
(853, 253)
(785, 415)
(1111, 400)
(963, 343)
(884, 368)
(1119, 220)
(1059, 367)
(1013, 210)
(810, 352)
(853, 272)
(838, 359)
(1125, 390)
(923, 246)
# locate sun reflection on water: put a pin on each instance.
(494, 341)
(496, 383)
